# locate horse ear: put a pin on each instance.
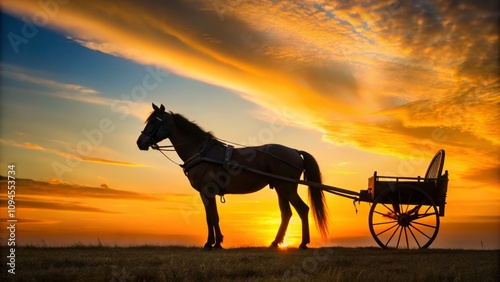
(155, 107)
(162, 108)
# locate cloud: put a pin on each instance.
(484, 175)
(110, 162)
(57, 188)
(472, 109)
(467, 157)
(304, 47)
(238, 66)
(381, 76)
(49, 83)
(73, 92)
(70, 155)
(24, 145)
(36, 203)
(30, 221)
(57, 195)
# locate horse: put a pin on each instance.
(213, 169)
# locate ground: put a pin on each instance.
(156, 263)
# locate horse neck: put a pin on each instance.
(186, 146)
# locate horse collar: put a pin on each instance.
(197, 158)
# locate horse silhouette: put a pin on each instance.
(215, 168)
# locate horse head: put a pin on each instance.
(156, 129)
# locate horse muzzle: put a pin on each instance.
(143, 142)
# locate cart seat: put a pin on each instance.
(436, 166)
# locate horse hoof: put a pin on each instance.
(273, 245)
(207, 247)
(303, 247)
(218, 247)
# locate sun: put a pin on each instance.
(283, 246)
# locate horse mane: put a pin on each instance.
(190, 128)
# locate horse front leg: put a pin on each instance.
(215, 220)
(211, 237)
(212, 216)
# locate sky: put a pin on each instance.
(363, 86)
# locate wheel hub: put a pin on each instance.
(404, 220)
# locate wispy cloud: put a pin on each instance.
(49, 83)
(39, 204)
(70, 155)
(57, 188)
(73, 92)
(24, 145)
(31, 221)
(110, 162)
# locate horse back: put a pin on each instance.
(271, 158)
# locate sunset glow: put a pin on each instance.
(363, 86)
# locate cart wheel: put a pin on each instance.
(404, 218)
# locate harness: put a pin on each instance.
(210, 153)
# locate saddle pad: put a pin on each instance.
(219, 154)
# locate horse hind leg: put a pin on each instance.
(303, 210)
(286, 214)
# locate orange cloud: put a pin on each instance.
(57, 188)
(24, 145)
(109, 162)
(31, 146)
(37, 204)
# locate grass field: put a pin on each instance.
(153, 263)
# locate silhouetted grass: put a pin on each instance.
(154, 263)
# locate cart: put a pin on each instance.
(404, 211)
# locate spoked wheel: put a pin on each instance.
(404, 218)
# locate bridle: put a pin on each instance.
(154, 132)
(156, 128)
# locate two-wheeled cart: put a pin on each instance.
(404, 211)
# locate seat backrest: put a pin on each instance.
(436, 166)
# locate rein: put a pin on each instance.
(168, 148)
(171, 148)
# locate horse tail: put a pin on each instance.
(316, 197)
